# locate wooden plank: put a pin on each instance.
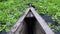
(15, 27)
(42, 22)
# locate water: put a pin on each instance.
(3, 32)
(49, 19)
(58, 32)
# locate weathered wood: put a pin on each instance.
(42, 22)
(41, 26)
(18, 23)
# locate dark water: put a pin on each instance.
(3, 32)
(49, 19)
(58, 32)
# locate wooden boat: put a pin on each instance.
(31, 23)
